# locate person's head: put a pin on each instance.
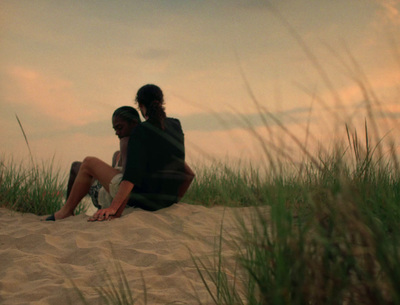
(150, 99)
(124, 119)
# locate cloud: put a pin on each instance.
(153, 53)
(48, 96)
(98, 129)
(220, 121)
(253, 4)
(389, 12)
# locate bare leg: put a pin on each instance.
(72, 175)
(90, 168)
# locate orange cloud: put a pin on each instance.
(49, 95)
(390, 11)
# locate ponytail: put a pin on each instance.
(156, 114)
(152, 98)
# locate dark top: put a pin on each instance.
(155, 164)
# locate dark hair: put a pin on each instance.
(152, 98)
(127, 113)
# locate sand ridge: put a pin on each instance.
(38, 259)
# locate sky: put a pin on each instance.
(244, 77)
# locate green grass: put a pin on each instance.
(30, 188)
(116, 289)
(331, 237)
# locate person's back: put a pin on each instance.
(156, 164)
(156, 154)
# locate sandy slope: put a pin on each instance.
(39, 259)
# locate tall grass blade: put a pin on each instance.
(26, 139)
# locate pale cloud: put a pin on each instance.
(387, 14)
(382, 84)
(390, 11)
(221, 145)
(153, 53)
(393, 108)
(75, 147)
(220, 121)
(48, 96)
(258, 143)
(65, 68)
(98, 129)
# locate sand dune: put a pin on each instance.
(40, 260)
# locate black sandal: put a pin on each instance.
(51, 218)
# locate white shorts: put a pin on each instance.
(105, 198)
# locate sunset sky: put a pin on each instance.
(65, 66)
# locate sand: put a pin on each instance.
(40, 261)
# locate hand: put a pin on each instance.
(103, 214)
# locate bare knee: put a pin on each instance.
(88, 163)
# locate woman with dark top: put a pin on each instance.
(156, 152)
(155, 174)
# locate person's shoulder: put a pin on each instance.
(175, 120)
(139, 130)
(140, 127)
(174, 123)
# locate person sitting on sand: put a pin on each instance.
(124, 119)
(155, 174)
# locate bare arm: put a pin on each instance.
(116, 158)
(118, 204)
(123, 147)
(121, 198)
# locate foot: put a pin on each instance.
(50, 218)
(59, 215)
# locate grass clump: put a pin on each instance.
(115, 289)
(224, 184)
(331, 235)
(36, 189)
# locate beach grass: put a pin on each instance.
(38, 188)
(30, 188)
(331, 237)
(116, 289)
